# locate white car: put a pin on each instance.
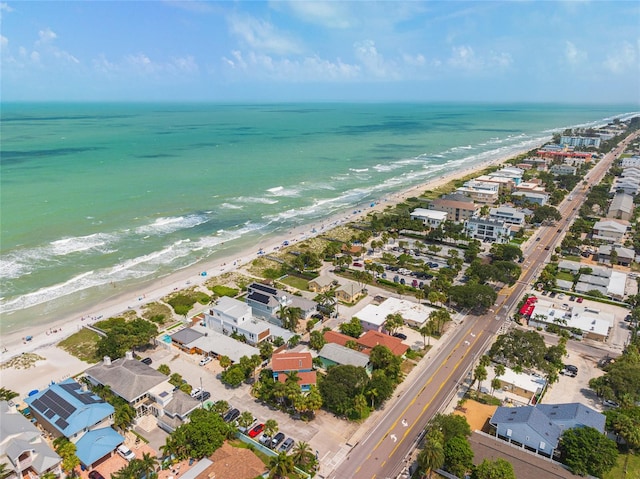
(125, 452)
(195, 392)
(206, 360)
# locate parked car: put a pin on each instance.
(396, 279)
(277, 439)
(264, 440)
(571, 367)
(195, 392)
(572, 298)
(206, 360)
(95, 475)
(566, 372)
(414, 283)
(231, 415)
(146, 361)
(286, 445)
(610, 403)
(256, 430)
(125, 452)
(203, 396)
(358, 265)
(400, 336)
(580, 300)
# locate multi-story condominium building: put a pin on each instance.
(480, 191)
(493, 231)
(507, 214)
(633, 161)
(457, 206)
(505, 184)
(580, 141)
(621, 207)
(514, 174)
(563, 169)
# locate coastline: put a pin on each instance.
(51, 333)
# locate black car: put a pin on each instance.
(400, 336)
(146, 361)
(95, 475)
(203, 396)
(572, 368)
(231, 415)
(277, 439)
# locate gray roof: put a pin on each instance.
(128, 378)
(217, 343)
(181, 404)
(586, 287)
(594, 280)
(576, 414)
(322, 280)
(343, 355)
(186, 335)
(620, 250)
(531, 416)
(570, 265)
(622, 202)
(564, 284)
(18, 435)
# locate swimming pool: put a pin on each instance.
(166, 338)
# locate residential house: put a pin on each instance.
(610, 231)
(593, 323)
(505, 184)
(321, 284)
(631, 172)
(539, 428)
(531, 186)
(353, 250)
(621, 207)
(372, 316)
(333, 354)
(266, 302)
(368, 341)
(493, 231)
(282, 364)
(22, 447)
(536, 162)
(531, 197)
(146, 390)
(575, 158)
(623, 256)
(371, 339)
(209, 342)
(229, 462)
(67, 409)
(512, 173)
(559, 170)
(507, 214)
(633, 161)
(349, 292)
(521, 387)
(231, 316)
(430, 218)
(457, 206)
(480, 191)
(630, 186)
(580, 141)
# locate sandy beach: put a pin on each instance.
(48, 335)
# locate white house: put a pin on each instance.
(532, 197)
(480, 191)
(611, 231)
(431, 218)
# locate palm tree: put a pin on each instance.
(281, 466)
(373, 394)
(124, 416)
(271, 427)
(245, 419)
(221, 406)
(431, 456)
(148, 465)
(302, 454)
(479, 374)
(426, 331)
(225, 362)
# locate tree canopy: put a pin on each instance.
(586, 451)
(498, 469)
(340, 387)
(123, 335)
(520, 348)
(200, 437)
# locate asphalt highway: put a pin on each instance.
(384, 451)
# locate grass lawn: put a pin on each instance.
(564, 276)
(298, 283)
(627, 467)
(82, 345)
(573, 258)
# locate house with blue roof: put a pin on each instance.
(539, 428)
(67, 409)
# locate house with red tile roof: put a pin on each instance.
(301, 363)
(368, 341)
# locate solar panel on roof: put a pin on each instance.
(49, 414)
(60, 406)
(259, 297)
(61, 423)
(39, 405)
(265, 288)
(75, 390)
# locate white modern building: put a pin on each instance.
(480, 191)
(537, 198)
(493, 231)
(431, 218)
(580, 141)
(512, 173)
(372, 317)
(507, 214)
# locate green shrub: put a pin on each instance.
(221, 290)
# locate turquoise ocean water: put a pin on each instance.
(99, 194)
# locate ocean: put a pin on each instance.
(97, 199)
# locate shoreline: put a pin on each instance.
(43, 335)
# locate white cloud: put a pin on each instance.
(327, 14)
(4, 41)
(307, 69)
(414, 60)
(46, 36)
(103, 65)
(185, 64)
(465, 58)
(373, 61)
(572, 55)
(262, 36)
(622, 59)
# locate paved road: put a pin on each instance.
(383, 451)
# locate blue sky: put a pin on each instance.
(575, 51)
